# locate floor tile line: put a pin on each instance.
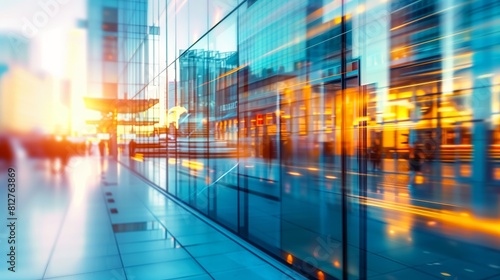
(145, 205)
(158, 262)
(56, 240)
(142, 241)
(104, 198)
(83, 273)
(245, 244)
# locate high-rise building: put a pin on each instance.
(121, 48)
(416, 60)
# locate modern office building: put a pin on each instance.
(335, 136)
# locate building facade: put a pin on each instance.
(286, 105)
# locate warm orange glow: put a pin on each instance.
(419, 179)
(289, 259)
(336, 263)
(294, 173)
(138, 157)
(230, 72)
(317, 30)
(321, 275)
(470, 223)
(191, 164)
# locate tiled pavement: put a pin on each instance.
(97, 220)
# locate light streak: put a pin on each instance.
(457, 219)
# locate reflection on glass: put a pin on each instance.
(350, 139)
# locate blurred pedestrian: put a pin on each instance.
(267, 151)
(329, 150)
(65, 151)
(287, 151)
(50, 149)
(88, 147)
(102, 148)
(131, 147)
(430, 149)
(376, 155)
(415, 163)
(6, 151)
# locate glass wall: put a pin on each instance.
(349, 139)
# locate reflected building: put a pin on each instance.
(476, 45)
(415, 73)
(103, 48)
(438, 77)
(282, 106)
(226, 101)
(210, 104)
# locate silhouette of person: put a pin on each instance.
(50, 147)
(376, 155)
(131, 147)
(6, 151)
(415, 162)
(102, 148)
(287, 152)
(65, 149)
(267, 151)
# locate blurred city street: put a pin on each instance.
(252, 139)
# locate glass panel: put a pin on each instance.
(222, 102)
(218, 9)
(197, 19)
(352, 139)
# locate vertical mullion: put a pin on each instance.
(343, 144)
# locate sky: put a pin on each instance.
(45, 23)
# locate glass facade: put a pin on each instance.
(350, 139)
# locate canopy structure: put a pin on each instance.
(111, 107)
(122, 106)
(122, 122)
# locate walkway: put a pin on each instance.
(97, 220)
